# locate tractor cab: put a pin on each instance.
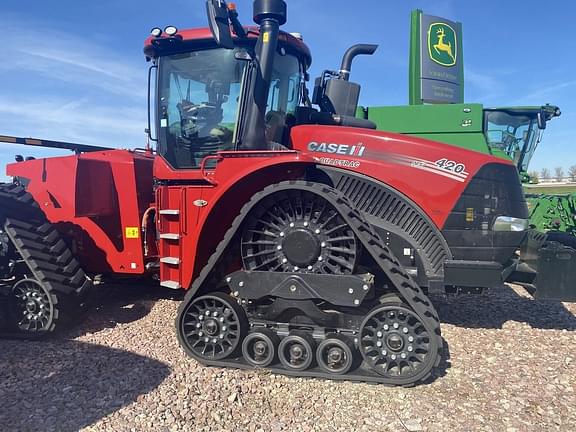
(235, 88)
(516, 132)
(208, 93)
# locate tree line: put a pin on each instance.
(558, 174)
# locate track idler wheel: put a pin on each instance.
(212, 327)
(335, 355)
(296, 351)
(259, 347)
(32, 308)
(396, 344)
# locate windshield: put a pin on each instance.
(517, 135)
(198, 94)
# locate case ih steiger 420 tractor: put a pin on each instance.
(307, 241)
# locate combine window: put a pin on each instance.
(516, 135)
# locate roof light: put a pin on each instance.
(156, 32)
(232, 6)
(170, 30)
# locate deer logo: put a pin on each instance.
(442, 44)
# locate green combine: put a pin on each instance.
(437, 112)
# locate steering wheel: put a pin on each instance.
(275, 123)
(197, 118)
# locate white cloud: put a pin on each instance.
(74, 120)
(71, 59)
(547, 91)
(66, 87)
(485, 86)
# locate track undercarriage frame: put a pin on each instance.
(381, 327)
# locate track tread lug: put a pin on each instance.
(47, 256)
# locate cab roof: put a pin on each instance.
(201, 38)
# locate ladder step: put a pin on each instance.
(169, 212)
(171, 284)
(170, 236)
(170, 260)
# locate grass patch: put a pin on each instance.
(568, 189)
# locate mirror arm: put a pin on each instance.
(236, 25)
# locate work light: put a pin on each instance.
(170, 30)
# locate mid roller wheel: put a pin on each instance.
(335, 355)
(212, 327)
(259, 347)
(296, 352)
(396, 344)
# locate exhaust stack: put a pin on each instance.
(350, 54)
(333, 92)
(269, 15)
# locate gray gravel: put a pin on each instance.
(511, 367)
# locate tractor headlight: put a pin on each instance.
(170, 30)
(511, 224)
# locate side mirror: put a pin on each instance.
(217, 11)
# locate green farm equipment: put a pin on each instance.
(555, 214)
(437, 112)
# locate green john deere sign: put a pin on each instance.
(442, 44)
(436, 67)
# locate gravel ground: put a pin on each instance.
(511, 367)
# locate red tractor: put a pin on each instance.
(307, 241)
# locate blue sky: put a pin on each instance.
(74, 70)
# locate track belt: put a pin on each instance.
(46, 255)
(398, 278)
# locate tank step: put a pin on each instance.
(171, 284)
(170, 236)
(170, 260)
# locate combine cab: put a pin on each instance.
(308, 241)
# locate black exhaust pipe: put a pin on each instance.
(353, 51)
(270, 15)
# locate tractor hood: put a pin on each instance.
(432, 174)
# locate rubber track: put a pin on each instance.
(40, 245)
(401, 281)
